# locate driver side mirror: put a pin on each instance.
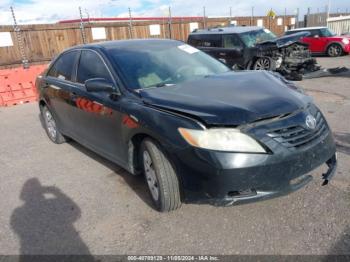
(99, 85)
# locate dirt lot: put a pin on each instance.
(61, 199)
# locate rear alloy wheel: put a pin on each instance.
(262, 63)
(160, 176)
(51, 126)
(334, 50)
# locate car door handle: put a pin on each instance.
(223, 54)
(74, 96)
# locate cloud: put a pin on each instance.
(44, 11)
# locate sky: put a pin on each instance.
(51, 11)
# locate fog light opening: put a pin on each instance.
(242, 193)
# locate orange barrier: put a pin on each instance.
(17, 85)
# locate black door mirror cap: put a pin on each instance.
(99, 85)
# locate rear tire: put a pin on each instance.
(161, 178)
(334, 50)
(50, 126)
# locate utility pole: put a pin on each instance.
(17, 30)
(130, 25)
(88, 15)
(252, 17)
(204, 20)
(328, 11)
(170, 23)
(285, 22)
(297, 18)
(328, 8)
(82, 29)
(307, 17)
(230, 14)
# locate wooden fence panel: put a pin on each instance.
(45, 41)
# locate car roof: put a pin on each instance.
(129, 44)
(226, 30)
(306, 28)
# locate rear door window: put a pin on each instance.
(91, 66)
(63, 67)
(209, 40)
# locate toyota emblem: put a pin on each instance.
(310, 122)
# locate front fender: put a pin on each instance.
(143, 120)
(160, 124)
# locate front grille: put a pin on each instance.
(298, 136)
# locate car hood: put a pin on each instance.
(229, 99)
(285, 40)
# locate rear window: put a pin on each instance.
(209, 40)
(63, 67)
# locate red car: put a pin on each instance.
(323, 41)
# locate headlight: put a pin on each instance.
(279, 61)
(345, 41)
(221, 139)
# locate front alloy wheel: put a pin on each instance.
(150, 174)
(263, 63)
(334, 50)
(161, 178)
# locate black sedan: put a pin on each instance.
(196, 130)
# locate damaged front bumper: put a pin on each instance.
(294, 186)
(226, 178)
(291, 60)
(266, 180)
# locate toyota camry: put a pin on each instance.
(196, 130)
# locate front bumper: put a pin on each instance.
(225, 178)
(346, 48)
(293, 186)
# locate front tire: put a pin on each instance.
(161, 178)
(334, 50)
(50, 126)
(263, 63)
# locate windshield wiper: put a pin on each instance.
(163, 84)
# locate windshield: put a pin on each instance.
(327, 32)
(161, 63)
(254, 37)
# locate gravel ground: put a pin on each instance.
(64, 199)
